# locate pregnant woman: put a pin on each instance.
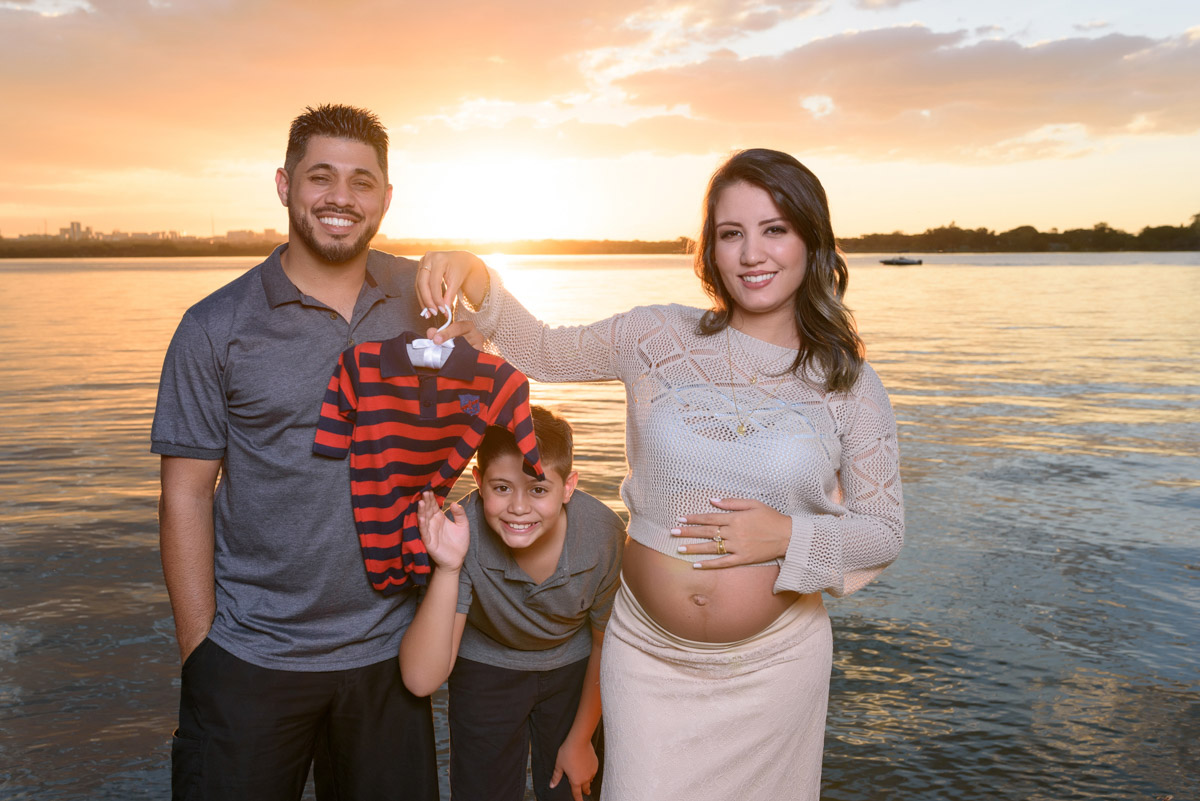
(763, 470)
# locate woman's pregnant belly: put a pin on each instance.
(715, 605)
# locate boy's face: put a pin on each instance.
(518, 507)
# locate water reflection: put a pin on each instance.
(1035, 640)
(923, 713)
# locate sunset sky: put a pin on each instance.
(560, 119)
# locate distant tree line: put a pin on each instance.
(125, 249)
(67, 249)
(1027, 239)
(547, 247)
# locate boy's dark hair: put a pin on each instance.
(555, 441)
(339, 122)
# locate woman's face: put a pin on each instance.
(760, 256)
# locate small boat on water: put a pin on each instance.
(901, 260)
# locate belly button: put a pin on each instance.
(700, 600)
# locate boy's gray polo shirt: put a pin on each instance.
(243, 382)
(515, 623)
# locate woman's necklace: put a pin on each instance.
(741, 424)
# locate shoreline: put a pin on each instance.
(16, 249)
(25, 249)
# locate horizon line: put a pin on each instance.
(245, 234)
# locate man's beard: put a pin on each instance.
(334, 252)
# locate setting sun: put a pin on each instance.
(486, 197)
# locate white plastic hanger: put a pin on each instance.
(425, 353)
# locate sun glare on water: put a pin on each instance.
(535, 281)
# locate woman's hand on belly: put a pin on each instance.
(707, 606)
(747, 532)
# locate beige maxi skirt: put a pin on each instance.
(696, 721)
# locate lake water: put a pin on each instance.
(1036, 639)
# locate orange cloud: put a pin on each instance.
(913, 93)
(174, 85)
(139, 85)
(188, 97)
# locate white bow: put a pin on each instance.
(427, 353)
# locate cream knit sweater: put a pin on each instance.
(827, 460)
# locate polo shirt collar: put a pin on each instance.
(280, 290)
(276, 284)
(388, 281)
(460, 364)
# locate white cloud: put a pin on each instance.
(48, 8)
(818, 105)
(914, 93)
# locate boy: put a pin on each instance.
(514, 614)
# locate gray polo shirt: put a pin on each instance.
(515, 623)
(243, 382)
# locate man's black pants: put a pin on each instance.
(247, 732)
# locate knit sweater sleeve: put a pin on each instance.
(542, 352)
(841, 553)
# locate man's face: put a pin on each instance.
(336, 198)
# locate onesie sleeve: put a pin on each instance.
(841, 553)
(191, 417)
(339, 409)
(545, 353)
(510, 405)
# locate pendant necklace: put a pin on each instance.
(741, 424)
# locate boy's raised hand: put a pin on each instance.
(577, 760)
(445, 540)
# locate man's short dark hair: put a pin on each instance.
(339, 122)
(555, 441)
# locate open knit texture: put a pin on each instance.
(828, 460)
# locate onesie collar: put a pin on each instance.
(394, 361)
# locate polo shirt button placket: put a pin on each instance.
(428, 394)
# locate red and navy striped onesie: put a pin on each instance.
(408, 431)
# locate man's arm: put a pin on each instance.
(430, 646)
(185, 538)
(576, 756)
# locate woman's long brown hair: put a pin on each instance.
(829, 342)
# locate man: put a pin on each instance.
(289, 656)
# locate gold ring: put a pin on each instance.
(426, 267)
(720, 541)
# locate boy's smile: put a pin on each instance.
(526, 513)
